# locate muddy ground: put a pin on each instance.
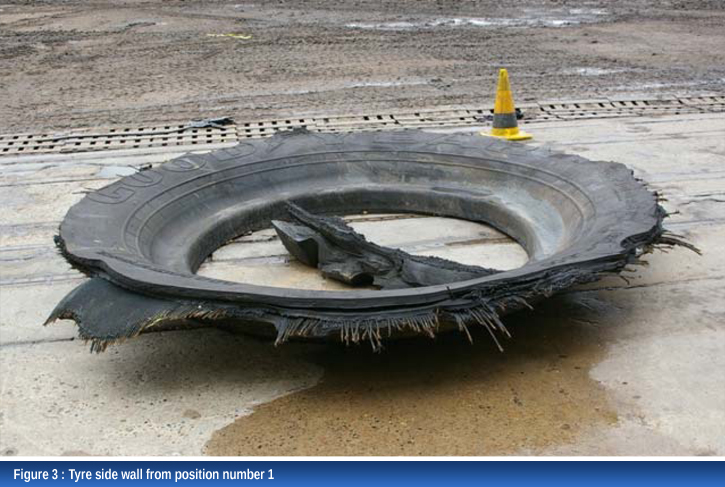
(83, 64)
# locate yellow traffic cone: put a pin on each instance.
(504, 112)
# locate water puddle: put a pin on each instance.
(442, 397)
(528, 18)
(594, 71)
(386, 84)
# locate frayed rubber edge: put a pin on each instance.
(478, 310)
(483, 311)
(479, 307)
(100, 344)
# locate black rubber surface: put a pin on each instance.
(149, 232)
(340, 253)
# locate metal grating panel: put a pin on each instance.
(115, 138)
(266, 128)
(184, 135)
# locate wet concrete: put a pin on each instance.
(445, 396)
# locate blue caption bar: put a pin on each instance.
(318, 474)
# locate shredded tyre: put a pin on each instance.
(143, 237)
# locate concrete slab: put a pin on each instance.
(147, 398)
(640, 364)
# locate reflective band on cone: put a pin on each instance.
(505, 124)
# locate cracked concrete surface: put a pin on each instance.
(609, 368)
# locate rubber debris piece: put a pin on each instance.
(340, 253)
(143, 237)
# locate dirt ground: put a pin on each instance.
(76, 64)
